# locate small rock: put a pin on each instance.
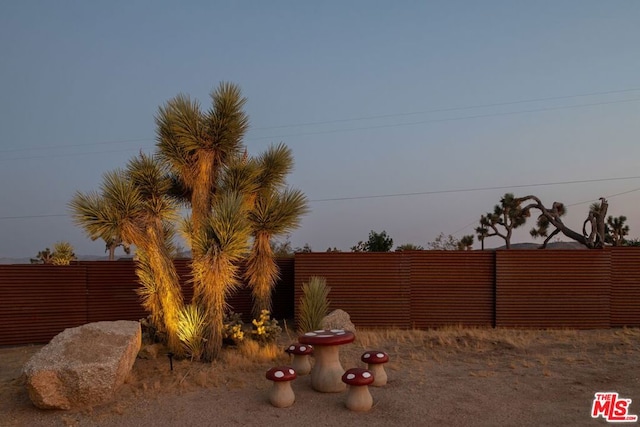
(338, 319)
(150, 351)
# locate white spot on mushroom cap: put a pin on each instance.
(291, 372)
(380, 355)
(366, 355)
(366, 374)
(324, 336)
(311, 334)
(278, 374)
(303, 348)
(335, 331)
(292, 347)
(350, 376)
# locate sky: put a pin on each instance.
(412, 117)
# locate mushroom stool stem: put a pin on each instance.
(358, 397)
(326, 372)
(301, 354)
(281, 394)
(375, 360)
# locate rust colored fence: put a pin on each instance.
(452, 288)
(554, 288)
(39, 301)
(514, 288)
(422, 289)
(371, 287)
(625, 287)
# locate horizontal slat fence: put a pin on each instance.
(553, 288)
(422, 289)
(451, 288)
(625, 287)
(39, 301)
(371, 287)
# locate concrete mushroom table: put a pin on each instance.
(326, 374)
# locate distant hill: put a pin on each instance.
(552, 245)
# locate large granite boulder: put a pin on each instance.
(338, 319)
(84, 365)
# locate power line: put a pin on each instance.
(442, 110)
(51, 147)
(451, 119)
(460, 108)
(466, 190)
(462, 190)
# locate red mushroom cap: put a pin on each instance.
(327, 337)
(299, 349)
(357, 377)
(374, 357)
(281, 373)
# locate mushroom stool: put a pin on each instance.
(375, 361)
(358, 397)
(301, 353)
(281, 395)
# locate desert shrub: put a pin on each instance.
(233, 330)
(314, 304)
(265, 329)
(191, 324)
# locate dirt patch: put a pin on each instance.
(440, 377)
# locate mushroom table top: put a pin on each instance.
(327, 337)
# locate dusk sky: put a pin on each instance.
(436, 108)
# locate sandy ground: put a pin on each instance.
(454, 377)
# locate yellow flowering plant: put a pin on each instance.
(265, 329)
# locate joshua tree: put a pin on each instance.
(615, 230)
(465, 243)
(43, 257)
(593, 238)
(62, 254)
(132, 204)
(273, 210)
(197, 145)
(231, 198)
(112, 243)
(506, 217)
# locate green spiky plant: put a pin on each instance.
(191, 330)
(314, 304)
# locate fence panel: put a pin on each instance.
(452, 288)
(625, 286)
(553, 288)
(372, 287)
(39, 301)
(111, 291)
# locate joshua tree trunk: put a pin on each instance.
(169, 292)
(553, 216)
(262, 273)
